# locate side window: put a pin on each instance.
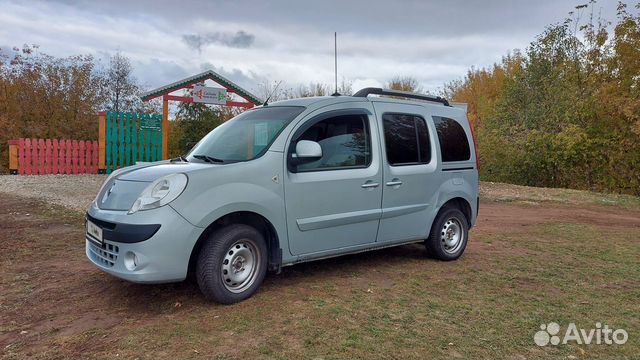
(454, 143)
(406, 139)
(345, 142)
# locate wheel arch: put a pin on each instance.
(250, 218)
(462, 204)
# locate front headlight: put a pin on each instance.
(160, 192)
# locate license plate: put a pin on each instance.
(94, 232)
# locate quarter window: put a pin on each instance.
(345, 142)
(454, 144)
(406, 139)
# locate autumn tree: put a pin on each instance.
(46, 97)
(121, 88)
(404, 83)
(565, 112)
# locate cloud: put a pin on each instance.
(240, 39)
(284, 40)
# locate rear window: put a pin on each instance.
(454, 144)
(406, 139)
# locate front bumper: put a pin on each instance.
(163, 257)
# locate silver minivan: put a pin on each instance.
(289, 182)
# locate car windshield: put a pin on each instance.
(245, 137)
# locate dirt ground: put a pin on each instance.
(531, 260)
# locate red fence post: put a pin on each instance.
(54, 158)
(81, 157)
(74, 156)
(41, 157)
(96, 157)
(34, 157)
(21, 165)
(86, 156)
(33, 153)
(48, 150)
(27, 156)
(67, 157)
(61, 158)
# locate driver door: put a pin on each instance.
(334, 202)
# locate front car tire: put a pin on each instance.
(232, 264)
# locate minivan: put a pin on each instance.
(289, 182)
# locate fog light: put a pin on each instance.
(131, 260)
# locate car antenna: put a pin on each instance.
(335, 61)
(266, 102)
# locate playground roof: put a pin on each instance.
(209, 74)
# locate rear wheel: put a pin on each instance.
(232, 264)
(449, 234)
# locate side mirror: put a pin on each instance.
(307, 150)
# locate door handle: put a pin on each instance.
(369, 184)
(394, 182)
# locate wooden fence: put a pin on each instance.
(47, 156)
(129, 138)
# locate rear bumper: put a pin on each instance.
(162, 257)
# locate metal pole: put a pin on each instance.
(335, 51)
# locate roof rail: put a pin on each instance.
(379, 91)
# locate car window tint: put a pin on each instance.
(406, 139)
(345, 143)
(454, 144)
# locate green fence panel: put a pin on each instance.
(114, 141)
(107, 162)
(140, 140)
(159, 139)
(127, 140)
(132, 138)
(149, 143)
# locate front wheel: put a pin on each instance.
(449, 234)
(232, 264)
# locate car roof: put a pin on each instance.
(325, 100)
(320, 101)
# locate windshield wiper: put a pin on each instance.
(179, 158)
(209, 159)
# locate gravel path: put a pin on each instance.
(75, 192)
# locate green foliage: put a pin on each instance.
(404, 83)
(567, 112)
(194, 121)
(42, 96)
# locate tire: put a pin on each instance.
(232, 264)
(449, 235)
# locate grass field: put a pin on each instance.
(536, 256)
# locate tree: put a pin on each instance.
(313, 89)
(565, 113)
(195, 120)
(404, 83)
(46, 97)
(121, 88)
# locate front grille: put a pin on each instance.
(105, 255)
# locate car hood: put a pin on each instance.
(151, 172)
(122, 190)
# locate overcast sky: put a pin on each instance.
(252, 42)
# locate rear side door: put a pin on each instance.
(334, 202)
(410, 179)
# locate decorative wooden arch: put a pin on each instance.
(188, 83)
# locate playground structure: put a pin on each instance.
(188, 84)
(124, 138)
